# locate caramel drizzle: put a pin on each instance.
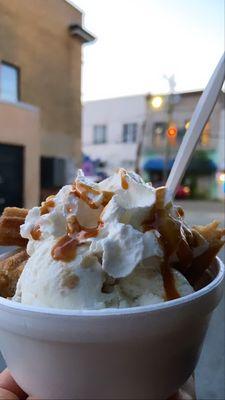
(170, 231)
(123, 175)
(44, 209)
(36, 232)
(83, 191)
(169, 282)
(180, 212)
(66, 247)
(46, 205)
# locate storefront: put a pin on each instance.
(198, 182)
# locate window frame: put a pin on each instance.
(96, 141)
(18, 88)
(125, 132)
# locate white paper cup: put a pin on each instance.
(137, 353)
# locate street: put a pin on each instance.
(210, 371)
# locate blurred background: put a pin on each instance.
(108, 83)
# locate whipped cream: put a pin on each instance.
(88, 248)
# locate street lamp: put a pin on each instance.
(156, 102)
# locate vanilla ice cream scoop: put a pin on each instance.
(95, 245)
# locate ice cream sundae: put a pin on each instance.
(118, 243)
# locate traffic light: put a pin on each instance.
(172, 134)
(172, 131)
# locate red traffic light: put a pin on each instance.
(172, 131)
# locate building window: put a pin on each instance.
(99, 134)
(129, 133)
(53, 172)
(9, 82)
(159, 131)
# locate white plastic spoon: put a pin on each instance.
(199, 119)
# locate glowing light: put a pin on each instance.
(221, 177)
(187, 125)
(156, 102)
(186, 189)
(205, 138)
(172, 131)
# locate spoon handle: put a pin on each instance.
(199, 119)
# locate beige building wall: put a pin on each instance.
(34, 36)
(19, 125)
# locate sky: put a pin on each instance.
(140, 41)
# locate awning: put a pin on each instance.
(200, 166)
(204, 166)
(157, 164)
(81, 33)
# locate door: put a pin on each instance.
(11, 176)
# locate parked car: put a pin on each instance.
(183, 192)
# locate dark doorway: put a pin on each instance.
(11, 176)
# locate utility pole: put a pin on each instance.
(139, 147)
(172, 84)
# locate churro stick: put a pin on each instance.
(10, 222)
(10, 271)
(214, 238)
(15, 212)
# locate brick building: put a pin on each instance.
(40, 108)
